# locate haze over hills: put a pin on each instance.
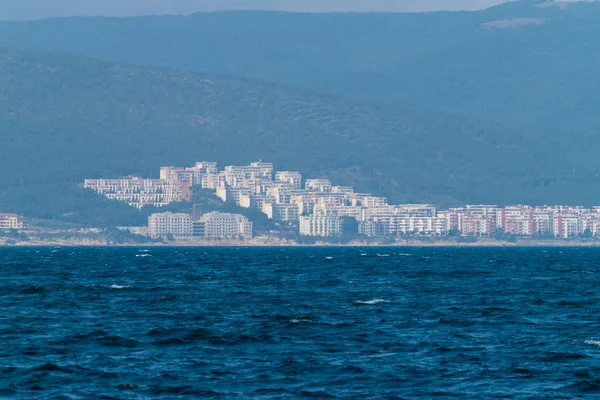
(518, 63)
(35, 9)
(66, 118)
(495, 106)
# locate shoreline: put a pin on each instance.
(523, 243)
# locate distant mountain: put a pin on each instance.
(527, 63)
(65, 118)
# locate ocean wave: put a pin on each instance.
(371, 302)
(298, 320)
(119, 287)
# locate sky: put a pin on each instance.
(35, 9)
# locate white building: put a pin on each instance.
(566, 225)
(414, 210)
(138, 192)
(223, 225)
(281, 212)
(292, 177)
(318, 185)
(166, 224)
(10, 221)
(418, 225)
(321, 224)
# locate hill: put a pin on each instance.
(527, 63)
(65, 118)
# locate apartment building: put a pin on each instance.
(223, 225)
(427, 226)
(318, 185)
(321, 224)
(566, 225)
(184, 176)
(281, 192)
(10, 221)
(163, 225)
(476, 220)
(374, 228)
(342, 189)
(280, 212)
(477, 225)
(209, 181)
(516, 220)
(294, 178)
(139, 192)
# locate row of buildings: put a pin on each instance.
(213, 225)
(318, 207)
(483, 221)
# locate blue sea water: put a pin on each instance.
(134, 323)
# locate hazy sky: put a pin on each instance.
(34, 9)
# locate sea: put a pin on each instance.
(277, 323)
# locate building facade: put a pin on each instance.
(164, 225)
(10, 221)
(322, 224)
(223, 225)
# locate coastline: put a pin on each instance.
(271, 242)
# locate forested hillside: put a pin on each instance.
(65, 118)
(526, 63)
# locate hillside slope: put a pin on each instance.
(66, 118)
(519, 63)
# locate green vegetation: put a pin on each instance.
(65, 118)
(541, 74)
(466, 239)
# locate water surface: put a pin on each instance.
(140, 323)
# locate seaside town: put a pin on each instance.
(317, 208)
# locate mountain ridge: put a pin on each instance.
(66, 118)
(447, 61)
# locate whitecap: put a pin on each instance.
(383, 255)
(593, 342)
(143, 255)
(295, 321)
(119, 287)
(404, 254)
(329, 258)
(371, 302)
(363, 254)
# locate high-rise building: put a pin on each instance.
(318, 185)
(138, 192)
(223, 225)
(162, 225)
(321, 224)
(292, 177)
